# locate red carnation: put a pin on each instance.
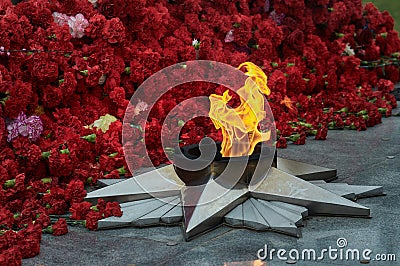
(52, 96)
(242, 36)
(11, 256)
(96, 25)
(75, 191)
(30, 241)
(6, 218)
(114, 31)
(60, 164)
(4, 5)
(80, 210)
(322, 132)
(2, 129)
(112, 8)
(3, 175)
(60, 227)
(385, 86)
(301, 140)
(281, 143)
(118, 95)
(14, 186)
(296, 40)
(20, 96)
(43, 219)
(55, 201)
(112, 209)
(44, 70)
(107, 163)
(91, 220)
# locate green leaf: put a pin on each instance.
(90, 138)
(305, 124)
(382, 110)
(294, 137)
(121, 170)
(45, 154)
(362, 112)
(236, 25)
(46, 180)
(339, 35)
(94, 208)
(3, 101)
(84, 72)
(9, 183)
(47, 230)
(112, 155)
(64, 151)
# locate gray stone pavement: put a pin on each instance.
(370, 157)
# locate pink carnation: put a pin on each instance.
(60, 18)
(77, 25)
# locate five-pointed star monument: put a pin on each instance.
(288, 193)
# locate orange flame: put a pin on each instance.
(239, 125)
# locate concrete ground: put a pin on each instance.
(370, 157)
